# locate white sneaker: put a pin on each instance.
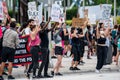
(97, 71)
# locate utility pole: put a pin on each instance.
(49, 14)
(114, 11)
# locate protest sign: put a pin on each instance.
(98, 12)
(40, 12)
(55, 13)
(32, 6)
(21, 54)
(106, 11)
(107, 22)
(1, 11)
(78, 22)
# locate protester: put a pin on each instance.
(27, 31)
(58, 50)
(118, 45)
(82, 45)
(44, 49)
(35, 49)
(10, 41)
(75, 49)
(66, 40)
(114, 35)
(89, 39)
(101, 46)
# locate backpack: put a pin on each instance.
(116, 39)
(1, 40)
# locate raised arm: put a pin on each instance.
(46, 25)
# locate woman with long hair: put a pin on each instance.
(101, 46)
(118, 45)
(75, 51)
(35, 49)
(58, 50)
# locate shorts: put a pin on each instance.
(66, 42)
(58, 50)
(7, 54)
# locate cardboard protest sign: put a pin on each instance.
(78, 22)
(1, 11)
(55, 13)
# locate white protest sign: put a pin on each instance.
(32, 6)
(107, 22)
(55, 13)
(106, 11)
(99, 12)
(1, 11)
(92, 19)
(34, 15)
(40, 12)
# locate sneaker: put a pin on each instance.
(58, 74)
(28, 75)
(4, 73)
(40, 76)
(10, 77)
(71, 68)
(48, 76)
(88, 57)
(82, 62)
(34, 76)
(97, 71)
(52, 73)
(75, 68)
(1, 78)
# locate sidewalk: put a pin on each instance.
(88, 67)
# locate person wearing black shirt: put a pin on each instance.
(45, 50)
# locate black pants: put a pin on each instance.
(101, 56)
(34, 65)
(82, 50)
(76, 52)
(115, 50)
(45, 61)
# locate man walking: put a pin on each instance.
(10, 41)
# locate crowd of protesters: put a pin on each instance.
(70, 43)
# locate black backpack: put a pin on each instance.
(1, 40)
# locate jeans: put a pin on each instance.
(34, 65)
